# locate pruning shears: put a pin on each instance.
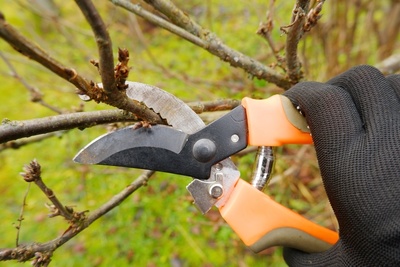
(202, 152)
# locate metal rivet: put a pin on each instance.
(218, 166)
(216, 191)
(235, 138)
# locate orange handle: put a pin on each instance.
(274, 122)
(262, 223)
(258, 220)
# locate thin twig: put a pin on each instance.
(117, 99)
(21, 215)
(13, 130)
(157, 66)
(30, 140)
(178, 17)
(294, 32)
(36, 94)
(210, 43)
(104, 44)
(216, 46)
(264, 30)
(218, 105)
(26, 252)
(140, 11)
(118, 198)
(34, 52)
(314, 15)
(33, 174)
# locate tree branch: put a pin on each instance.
(218, 105)
(32, 51)
(26, 141)
(117, 99)
(207, 41)
(118, 198)
(104, 43)
(32, 173)
(12, 130)
(26, 252)
(36, 94)
(294, 33)
(264, 30)
(178, 17)
(21, 216)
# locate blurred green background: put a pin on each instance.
(158, 225)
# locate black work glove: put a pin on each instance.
(355, 124)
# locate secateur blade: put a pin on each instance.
(171, 150)
(166, 149)
(159, 148)
(124, 147)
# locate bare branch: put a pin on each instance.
(264, 30)
(118, 198)
(218, 105)
(178, 17)
(116, 99)
(12, 130)
(209, 42)
(36, 95)
(138, 10)
(21, 215)
(43, 251)
(295, 31)
(32, 173)
(313, 16)
(32, 51)
(104, 44)
(26, 141)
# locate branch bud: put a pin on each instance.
(32, 171)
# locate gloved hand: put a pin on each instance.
(355, 124)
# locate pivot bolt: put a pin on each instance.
(204, 150)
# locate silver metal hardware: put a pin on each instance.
(263, 167)
(216, 191)
(235, 138)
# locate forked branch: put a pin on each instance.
(41, 252)
(203, 38)
(103, 41)
(117, 99)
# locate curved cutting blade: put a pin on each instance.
(159, 148)
(175, 111)
(125, 146)
(105, 150)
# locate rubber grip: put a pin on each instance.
(275, 122)
(262, 223)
